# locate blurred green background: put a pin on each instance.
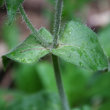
(33, 87)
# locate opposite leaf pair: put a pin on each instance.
(77, 44)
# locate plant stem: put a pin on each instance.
(38, 37)
(56, 31)
(59, 83)
(57, 22)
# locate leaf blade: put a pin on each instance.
(79, 45)
(28, 51)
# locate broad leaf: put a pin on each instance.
(79, 45)
(104, 38)
(29, 51)
(12, 7)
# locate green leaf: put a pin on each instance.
(29, 51)
(39, 101)
(79, 45)
(104, 38)
(12, 7)
(1, 3)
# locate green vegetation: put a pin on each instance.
(80, 60)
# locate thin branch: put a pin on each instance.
(38, 37)
(59, 83)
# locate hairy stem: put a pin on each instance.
(59, 83)
(57, 22)
(38, 37)
(57, 72)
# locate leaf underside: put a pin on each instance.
(79, 45)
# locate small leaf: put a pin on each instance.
(12, 7)
(79, 45)
(1, 3)
(29, 51)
